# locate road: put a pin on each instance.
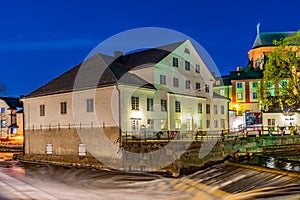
(21, 180)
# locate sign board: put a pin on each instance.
(49, 148)
(81, 150)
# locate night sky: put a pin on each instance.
(39, 40)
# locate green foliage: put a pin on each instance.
(282, 69)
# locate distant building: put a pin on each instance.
(167, 89)
(11, 117)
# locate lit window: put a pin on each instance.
(187, 66)
(254, 95)
(239, 95)
(239, 85)
(63, 108)
(198, 85)
(177, 106)
(162, 79)
(222, 92)
(135, 103)
(271, 122)
(177, 123)
(175, 62)
(175, 82)
(207, 109)
(199, 107)
(42, 110)
(254, 84)
(163, 124)
(90, 105)
(215, 109)
(163, 105)
(197, 68)
(2, 110)
(3, 123)
(150, 104)
(150, 123)
(187, 84)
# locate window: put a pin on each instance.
(175, 62)
(63, 108)
(269, 84)
(207, 123)
(215, 109)
(2, 110)
(134, 124)
(199, 107)
(223, 123)
(254, 95)
(150, 124)
(90, 105)
(254, 84)
(150, 104)
(177, 106)
(186, 50)
(239, 85)
(284, 83)
(187, 84)
(187, 66)
(222, 92)
(198, 85)
(42, 110)
(177, 124)
(163, 105)
(162, 80)
(239, 95)
(3, 123)
(271, 122)
(222, 110)
(257, 62)
(206, 88)
(197, 68)
(163, 124)
(135, 103)
(200, 124)
(207, 109)
(175, 82)
(216, 124)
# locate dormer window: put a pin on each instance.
(186, 50)
(257, 63)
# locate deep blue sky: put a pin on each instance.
(41, 39)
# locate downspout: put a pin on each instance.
(120, 122)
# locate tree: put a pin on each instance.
(281, 76)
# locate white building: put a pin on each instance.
(164, 89)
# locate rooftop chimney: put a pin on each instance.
(117, 54)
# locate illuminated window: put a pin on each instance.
(177, 124)
(177, 106)
(135, 103)
(163, 105)
(90, 105)
(63, 108)
(162, 80)
(150, 123)
(254, 95)
(239, 85)
(222, 92)
(3, 123)
(2, 110)
(175, 62)
(163, 124)
(150, 104)
(42, 110)
(197, 68)
(175, 82)
(239, 95)
(187, 65)
(188, 85)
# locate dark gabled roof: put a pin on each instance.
(115, 71)
(267, 38)
(12, 102)
(242, 75)
(223, 81)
